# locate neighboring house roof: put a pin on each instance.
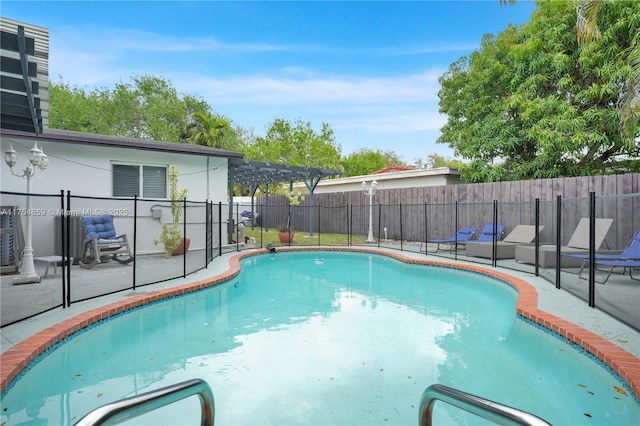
(394, 168)
(81, 138)
(413, 178)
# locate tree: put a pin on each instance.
(365, 161)
(532, 104)
(587, 15)
(296, 144)
(215, 131)
(147, 108)
(435, 160)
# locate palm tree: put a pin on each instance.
(211, 130)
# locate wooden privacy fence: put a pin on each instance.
(416, 214)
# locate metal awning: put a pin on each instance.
(252, 173)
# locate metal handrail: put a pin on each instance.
(488, 410)
(128, 408)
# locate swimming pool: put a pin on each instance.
(353, 339)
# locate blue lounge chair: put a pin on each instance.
(630, 264)
(488, 233)
(459, 237)
(631, 252)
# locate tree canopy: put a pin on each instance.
(365, 160)
(147, 108)
(215, 131)
(533, 103)
(435, 160)
(298, 144)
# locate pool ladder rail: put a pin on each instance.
(488, 410)
(129, 408)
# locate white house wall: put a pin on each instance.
(86, 171)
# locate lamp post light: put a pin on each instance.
(370, 192)
(38, 159)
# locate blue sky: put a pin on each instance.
(369, 69)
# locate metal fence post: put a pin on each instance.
(64, 242)
(536, 240)
(349, 224)
(135, 236)
(455, 251)
(380, 221)
(494, 243)
(426, 225)
(558, 240)
(401, 237)
(184, 233)
(207, 230)
(219, 228)
(592, 250)
(66, 217)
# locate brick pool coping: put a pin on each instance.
(622, 362)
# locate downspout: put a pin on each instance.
(208, 177)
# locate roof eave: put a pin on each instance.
(70, 137)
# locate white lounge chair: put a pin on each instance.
(579, 243)
(506, 248)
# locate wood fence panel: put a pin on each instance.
(607, 206)
(516, 202)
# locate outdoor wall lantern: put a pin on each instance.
(37, 159)
(370, 192)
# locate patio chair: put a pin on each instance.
(631, 252)
(629, 264)
(490, 232)
(463, 234)
(506, 248)
(579, 243)
(102, 243)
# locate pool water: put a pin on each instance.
(325, 338)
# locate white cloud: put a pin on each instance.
(400, 107)
(122, 40)
(274, 90)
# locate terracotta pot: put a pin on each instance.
(286, 237)
(182, 247)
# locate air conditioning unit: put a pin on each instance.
(76, 236)
(11, 240)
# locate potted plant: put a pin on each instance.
(171, 235)
(286, 234)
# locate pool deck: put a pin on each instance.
(614, 343)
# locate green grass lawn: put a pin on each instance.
(303, 238)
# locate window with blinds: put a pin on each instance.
(146, 181)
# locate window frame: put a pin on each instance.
(141, 180)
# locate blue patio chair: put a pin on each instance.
(488, 233)
(463, 234)
(102, 242)
(629, 264)
(631, 252)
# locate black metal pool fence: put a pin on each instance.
(587, 226)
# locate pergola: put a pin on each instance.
(252, 174)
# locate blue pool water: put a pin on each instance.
(324, 338)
